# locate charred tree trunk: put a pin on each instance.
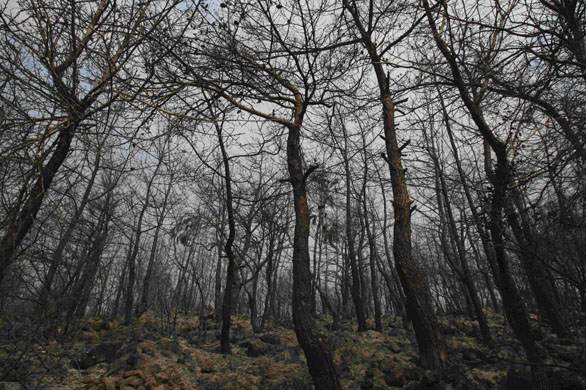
(144, 301)
(22, 216)
(355, 288)
(58, 254)
(372, 255)
(418, 300)
(462, 269)
(231, 274)
(500, 178)
(218, 277)
(319, 360)
(538, 276)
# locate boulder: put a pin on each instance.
(413, 373)
(255, 348)
(567, 380)
(271, 338)
(519, 378)
(107, 352)
(394, 379)
(368, 381)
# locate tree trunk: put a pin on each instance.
(371, 253)
(144, 301)
(355, 288)
(58, 254)
(418, 299)
(463, 270)
(21, 217)
(500, 179)
(538, 276)
(319, 360)
(218, 277)
(231, 274)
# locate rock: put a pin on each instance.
(538, 334)
(368, 382)
(518, 379)
(109, 383)
(452, 328)
(394, 378)
(394, 347)
(565, 380)
(345, 327)
(413, 374)
(236, 337)
(154, 368)
(452, 373)
(133, 381)
(269, 338)
(150, 380)
(254, 348)
(170, 346)
(579, 362)
(107, 352)
(567, 355)
(90, 380)
(126, 374)
(334, 341)
(566, 341)
(424, 386)
(472, 357)
(395, 332)
(11, 386)
(559, 379)
(469, 354)
(207, 367)
(431, 377)
(127, 360)
(162, 377)
(295, 354)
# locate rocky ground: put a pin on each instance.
(157, 354)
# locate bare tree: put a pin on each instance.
(418, 302)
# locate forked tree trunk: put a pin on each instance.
(57, 257)
(231, 274)
(500, 178)
(319, 360)
(539, 279)
(21, 218)
(418, 300)
(463, 269)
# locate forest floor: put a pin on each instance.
(154, 353)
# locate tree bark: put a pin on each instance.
(371, 252)
(418, 299)
(319, 360)
(355, 288)
(231, 274)
(500, 179)
(463, 269)
(21, 217)
(58, 254)
(144, 301)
